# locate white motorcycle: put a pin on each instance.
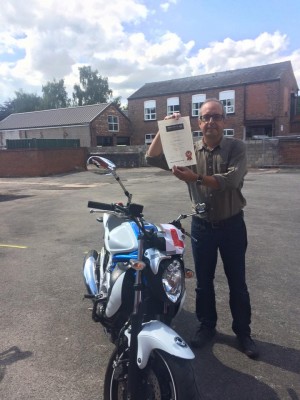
(137, 285)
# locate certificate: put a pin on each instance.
(177, 141)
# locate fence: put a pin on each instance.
(280, 151)
(266, 153)
(34, 143)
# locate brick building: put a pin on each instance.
(95, 125)
(260, 102)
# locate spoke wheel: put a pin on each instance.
(164, 378)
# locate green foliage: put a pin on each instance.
(116, 101)
(5, 110)
(25, 102)
(55, 95)
(93, 88)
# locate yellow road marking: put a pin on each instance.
(12, 246)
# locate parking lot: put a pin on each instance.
(49, 346)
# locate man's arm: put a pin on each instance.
(155, 149)
(187, 175)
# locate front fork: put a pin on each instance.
(136, 326)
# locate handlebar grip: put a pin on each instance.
(101, 206)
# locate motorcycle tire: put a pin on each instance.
(164, 378)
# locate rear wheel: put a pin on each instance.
(164, 378)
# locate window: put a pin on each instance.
(149, 137)
(104, 141)
(197, 101)
(227, 98)
(297, 105)
(113, 123)
(123, 141)
(172, 105)
(197, 135)
(228, 132)
(149, 110)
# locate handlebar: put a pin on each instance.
(132, 209)
(101, 206)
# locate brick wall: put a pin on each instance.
(99, 126)
(41, 162)
(122, 156)
(33, 162)
(256, 104)
(289, 152)
(260, 153)
(236, 121)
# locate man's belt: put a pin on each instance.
(222, 223)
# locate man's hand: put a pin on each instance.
(175, 115)
(184, 174)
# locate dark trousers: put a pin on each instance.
(230, 239)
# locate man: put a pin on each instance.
(216, 180)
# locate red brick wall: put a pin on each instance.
(140, 127)
(41, 162)
(295, 125)
(262, 100)
(99, 126)
(289, 152)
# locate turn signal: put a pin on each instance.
(137, 265)
(188, 273)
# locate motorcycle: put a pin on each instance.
(137, 285)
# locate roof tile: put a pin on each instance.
(263, 73)
(82, 115)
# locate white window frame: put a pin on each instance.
(149, 110)
(227, 97)
(197, 101)
(149, 137)
(172, 105)
(113, 123)
(197, 135)
(228, 132)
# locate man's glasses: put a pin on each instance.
(214, 117)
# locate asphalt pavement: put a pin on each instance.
(49, 346)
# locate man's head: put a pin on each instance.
(211, 121)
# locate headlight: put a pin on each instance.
(173, 280)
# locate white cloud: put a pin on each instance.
(230, 54)
(51, 39)
(166, 5)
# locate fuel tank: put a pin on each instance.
(119, 237)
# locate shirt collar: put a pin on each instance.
(200, 145)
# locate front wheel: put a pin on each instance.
(164, 378)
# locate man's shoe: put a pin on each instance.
(202, 336)
(248, 346)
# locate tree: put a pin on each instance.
(117, 101)
(25, 102)
(5, 110)
(93, 88)
(55, 95)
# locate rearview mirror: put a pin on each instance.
(97, 162)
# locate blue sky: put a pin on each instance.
(132, 42)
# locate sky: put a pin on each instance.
(133, 42)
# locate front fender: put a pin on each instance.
(156, 335)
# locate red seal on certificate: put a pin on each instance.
(189, 155)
